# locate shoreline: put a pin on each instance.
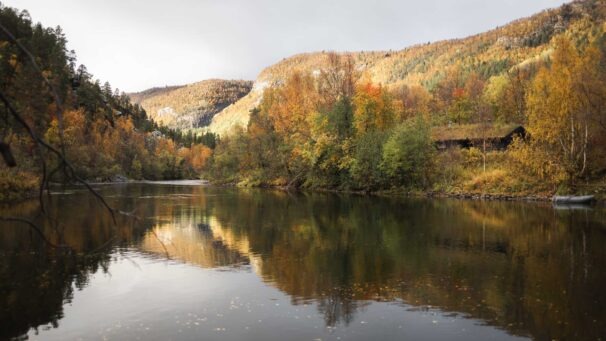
(600, 198)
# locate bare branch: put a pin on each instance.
(7, 155)
(38, 140)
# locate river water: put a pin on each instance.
(204, 263)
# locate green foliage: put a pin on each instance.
(225, 164)
(334, 139)
(339, 120)
(366, 166)
(408, 153)
(136, 169)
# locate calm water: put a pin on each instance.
(207, 263)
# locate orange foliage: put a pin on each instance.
(374, 109)
(196, 156)
(290, 106)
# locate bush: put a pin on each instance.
(407, 154)
(16, 184)
(472, 156)
(487, 181)
(365, 169)
(448, 169)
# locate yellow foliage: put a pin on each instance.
(291, 106)
(488, 180)
(374, 108)
(563, 105)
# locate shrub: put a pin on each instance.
(407, 154)
(16, 184)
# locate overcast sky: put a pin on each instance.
(136, 44)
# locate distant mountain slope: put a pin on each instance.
(238, 113)
(139, 97)
(190, 106)
(518, 44)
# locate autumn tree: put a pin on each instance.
(290, 108)
(561, 108)
(374, 110)
(505, 96)
(266, 149)
(338, 79)
(414, 100)
(332, 125)
(196, 158)
(332, 136)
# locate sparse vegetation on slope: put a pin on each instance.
(193, 105)
(138, 97)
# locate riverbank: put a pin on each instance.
(599, 192)
(23, 190)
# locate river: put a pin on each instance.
(196, 262)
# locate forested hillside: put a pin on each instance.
(138, 97)
(58, 123)
(437, 67)
(520, 109)
(193, 105)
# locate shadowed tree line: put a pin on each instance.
(59, 123)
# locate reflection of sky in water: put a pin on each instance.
(150, 299)
(261, 265)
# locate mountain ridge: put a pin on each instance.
(519, 43)
(192, 105)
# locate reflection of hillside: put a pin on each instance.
(35, 281)
(190, 243)
(515, 266)
(239, 244)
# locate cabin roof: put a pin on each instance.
(473, 131)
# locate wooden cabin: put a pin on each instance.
(497, 136)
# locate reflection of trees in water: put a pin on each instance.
(520, 267)
(33, 288)
(339, 306)
(35, 281)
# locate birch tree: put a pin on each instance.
(560, 109)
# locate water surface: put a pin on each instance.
(225, 264)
